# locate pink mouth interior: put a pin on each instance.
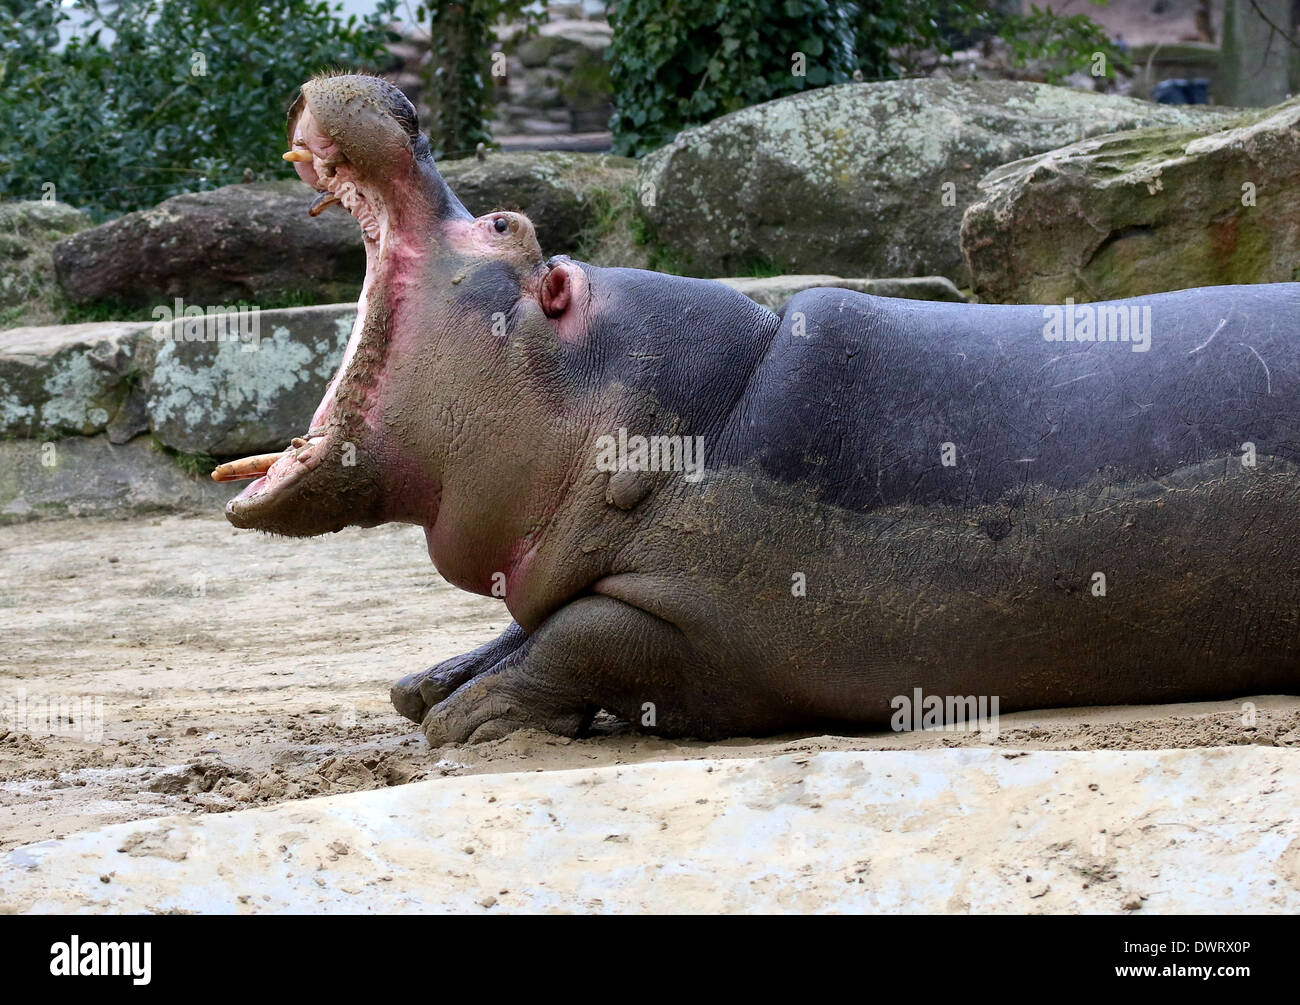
(296, 462)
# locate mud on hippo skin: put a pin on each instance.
(897, 495)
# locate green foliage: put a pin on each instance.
(1058, 44)
(678, 63)
(458, 94)
(1064, 43)
(674, 63)
(155, 98)
(890, 32)
(611, 208)
(658, 257)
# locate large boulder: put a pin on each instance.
(256, 242)
(219, 386)
(91, 476)
(864, 179)
(28, 233)
(1142, 212)
(73, 379)
(250, 242)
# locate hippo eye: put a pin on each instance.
(501, 224)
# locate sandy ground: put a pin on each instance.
(237, 670)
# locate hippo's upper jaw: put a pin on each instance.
(353, 139)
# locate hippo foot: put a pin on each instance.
(416, 693)
(499, 702)
(487, 694)
(595, 652)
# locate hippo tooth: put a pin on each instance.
(321, 203)
(246, 467)
(298, 156)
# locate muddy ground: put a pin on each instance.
(238, 670)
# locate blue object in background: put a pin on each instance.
(1182, 92)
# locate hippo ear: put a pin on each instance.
(557, 291)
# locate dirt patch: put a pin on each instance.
(175, 665)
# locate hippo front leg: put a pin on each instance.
(594, 653)
(417, 692)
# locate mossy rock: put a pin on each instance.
(862, 179)
(254, 243)
(28, 233)
(1142, 212)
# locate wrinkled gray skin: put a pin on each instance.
(896, 494)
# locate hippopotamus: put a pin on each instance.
(710, 519)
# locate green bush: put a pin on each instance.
(156, 98)
(674, 63)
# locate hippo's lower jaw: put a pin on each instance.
(316, 487)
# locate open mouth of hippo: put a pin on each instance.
(355, 141)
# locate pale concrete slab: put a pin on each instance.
(954, 830)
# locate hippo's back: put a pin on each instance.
(868, 401)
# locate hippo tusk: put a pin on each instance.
(297, 156)
(322, 202)
(246, 467)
